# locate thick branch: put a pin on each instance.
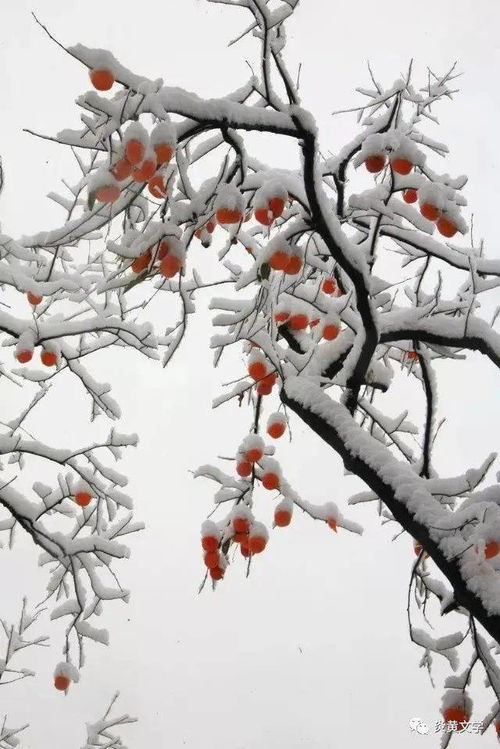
(328, 227)
(476, 335)
(392, 481)
(429, 399)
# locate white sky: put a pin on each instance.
(312, 651)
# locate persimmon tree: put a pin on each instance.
(299, 290)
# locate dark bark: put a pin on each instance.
(471, 342)
(450, 568)
(429, 399)
(363, 302)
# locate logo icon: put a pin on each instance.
(418, 725)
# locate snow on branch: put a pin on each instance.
(9, 737)
(299, 264)
(102, 733)
(16, 640)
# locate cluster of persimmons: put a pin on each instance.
(402, 165)
(143, 158)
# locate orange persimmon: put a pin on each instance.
(229, 216)
(330, 332)
(276, 206)
(276, 429)
(375, 163)
(446, 227)
(329, 286)
(294, 265)
(243, 468)
(401, 166)
(121, 170)
(164, 152)
(298, 322)
(144, 171)
(410, 196)
(102, 79)
(211, 559)
(141, 263)
(279, 260)
(34, 299)
(24, 356)
(156, 187)
(49, 358)
(430, 211)
(107, 193)
(282, 518)
(135, 151)
(83, 498)
(61, 683)
(170, 266)
(270, 480)
(241, 524)
(209, 543)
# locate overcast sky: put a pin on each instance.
(312, 651)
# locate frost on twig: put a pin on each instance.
(16, 640)
(9, 737)
(103, 732)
